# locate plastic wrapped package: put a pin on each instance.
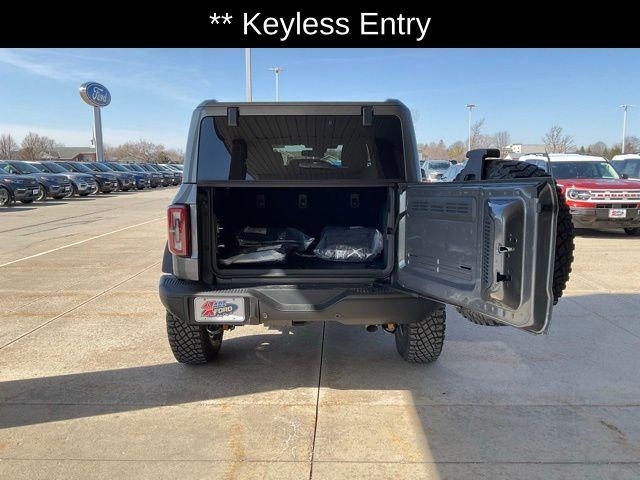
(268, 254)
(349, 244)
(267, 245)
(264, 236)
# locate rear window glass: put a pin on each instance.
(288, 147)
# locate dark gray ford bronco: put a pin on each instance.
(292, 213)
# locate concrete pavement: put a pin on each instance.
(89, 388)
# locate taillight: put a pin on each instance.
(179, 230)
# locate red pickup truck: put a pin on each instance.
(597, 195)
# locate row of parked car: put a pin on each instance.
(600, 193)
(26, 182)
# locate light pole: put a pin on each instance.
(247, 62)
(626, 108)
(277, 71)
(470, 106)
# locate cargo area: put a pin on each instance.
(360, 217)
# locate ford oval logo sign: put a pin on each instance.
(95, 94)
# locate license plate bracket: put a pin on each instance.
(227, 310)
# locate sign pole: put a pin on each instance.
(97, 134)
(97, 96)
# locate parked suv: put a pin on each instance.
(107, 182)
(50, 185)
(598, 196)
(141, 180)
(81, 184)
(17, 188)
(125, 181)
(176, 175)
(433, 170)
(627, 164)
(298, 213)
(155, 178)
(166, 178)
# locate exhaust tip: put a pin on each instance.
(372, 328)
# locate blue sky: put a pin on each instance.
(154, 90)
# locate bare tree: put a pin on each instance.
(632, 144)
(145, 151)
(598, 148)
(456, 151)
(142, 150)
(433, 150)
(556, 141)
(501, 139)
(478, 139)
(174, 155)
(34, 146)
(8, 147)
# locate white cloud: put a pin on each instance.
(68, 68)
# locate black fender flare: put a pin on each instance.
(167, 261)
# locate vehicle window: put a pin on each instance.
(117, 167)
(9, 169)
(54, 167)
(103, 168)
(299, 147)
(580, 169)
(631, 167)
(438, 165)
(39, 167)
(78, 167)
(24, 167)
(97, 167)
(539, 163)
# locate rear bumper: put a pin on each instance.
(599, 218)
(281, 305)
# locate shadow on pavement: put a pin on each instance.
(611, 233)
(503, 395)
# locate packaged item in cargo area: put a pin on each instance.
(266, 254)
(264, 236)
(349, 244)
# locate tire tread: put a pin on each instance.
(191, 344)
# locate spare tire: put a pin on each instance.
(505, 169)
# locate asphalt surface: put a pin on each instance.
(89, 388)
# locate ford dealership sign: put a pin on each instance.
(95, 94)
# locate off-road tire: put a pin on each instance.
(505, 169)
(421, 342)
(634, 232)
(192, 344)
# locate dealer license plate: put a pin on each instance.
(617, 213)
(219, 309)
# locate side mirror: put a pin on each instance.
(454, 162)
(624, 175)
